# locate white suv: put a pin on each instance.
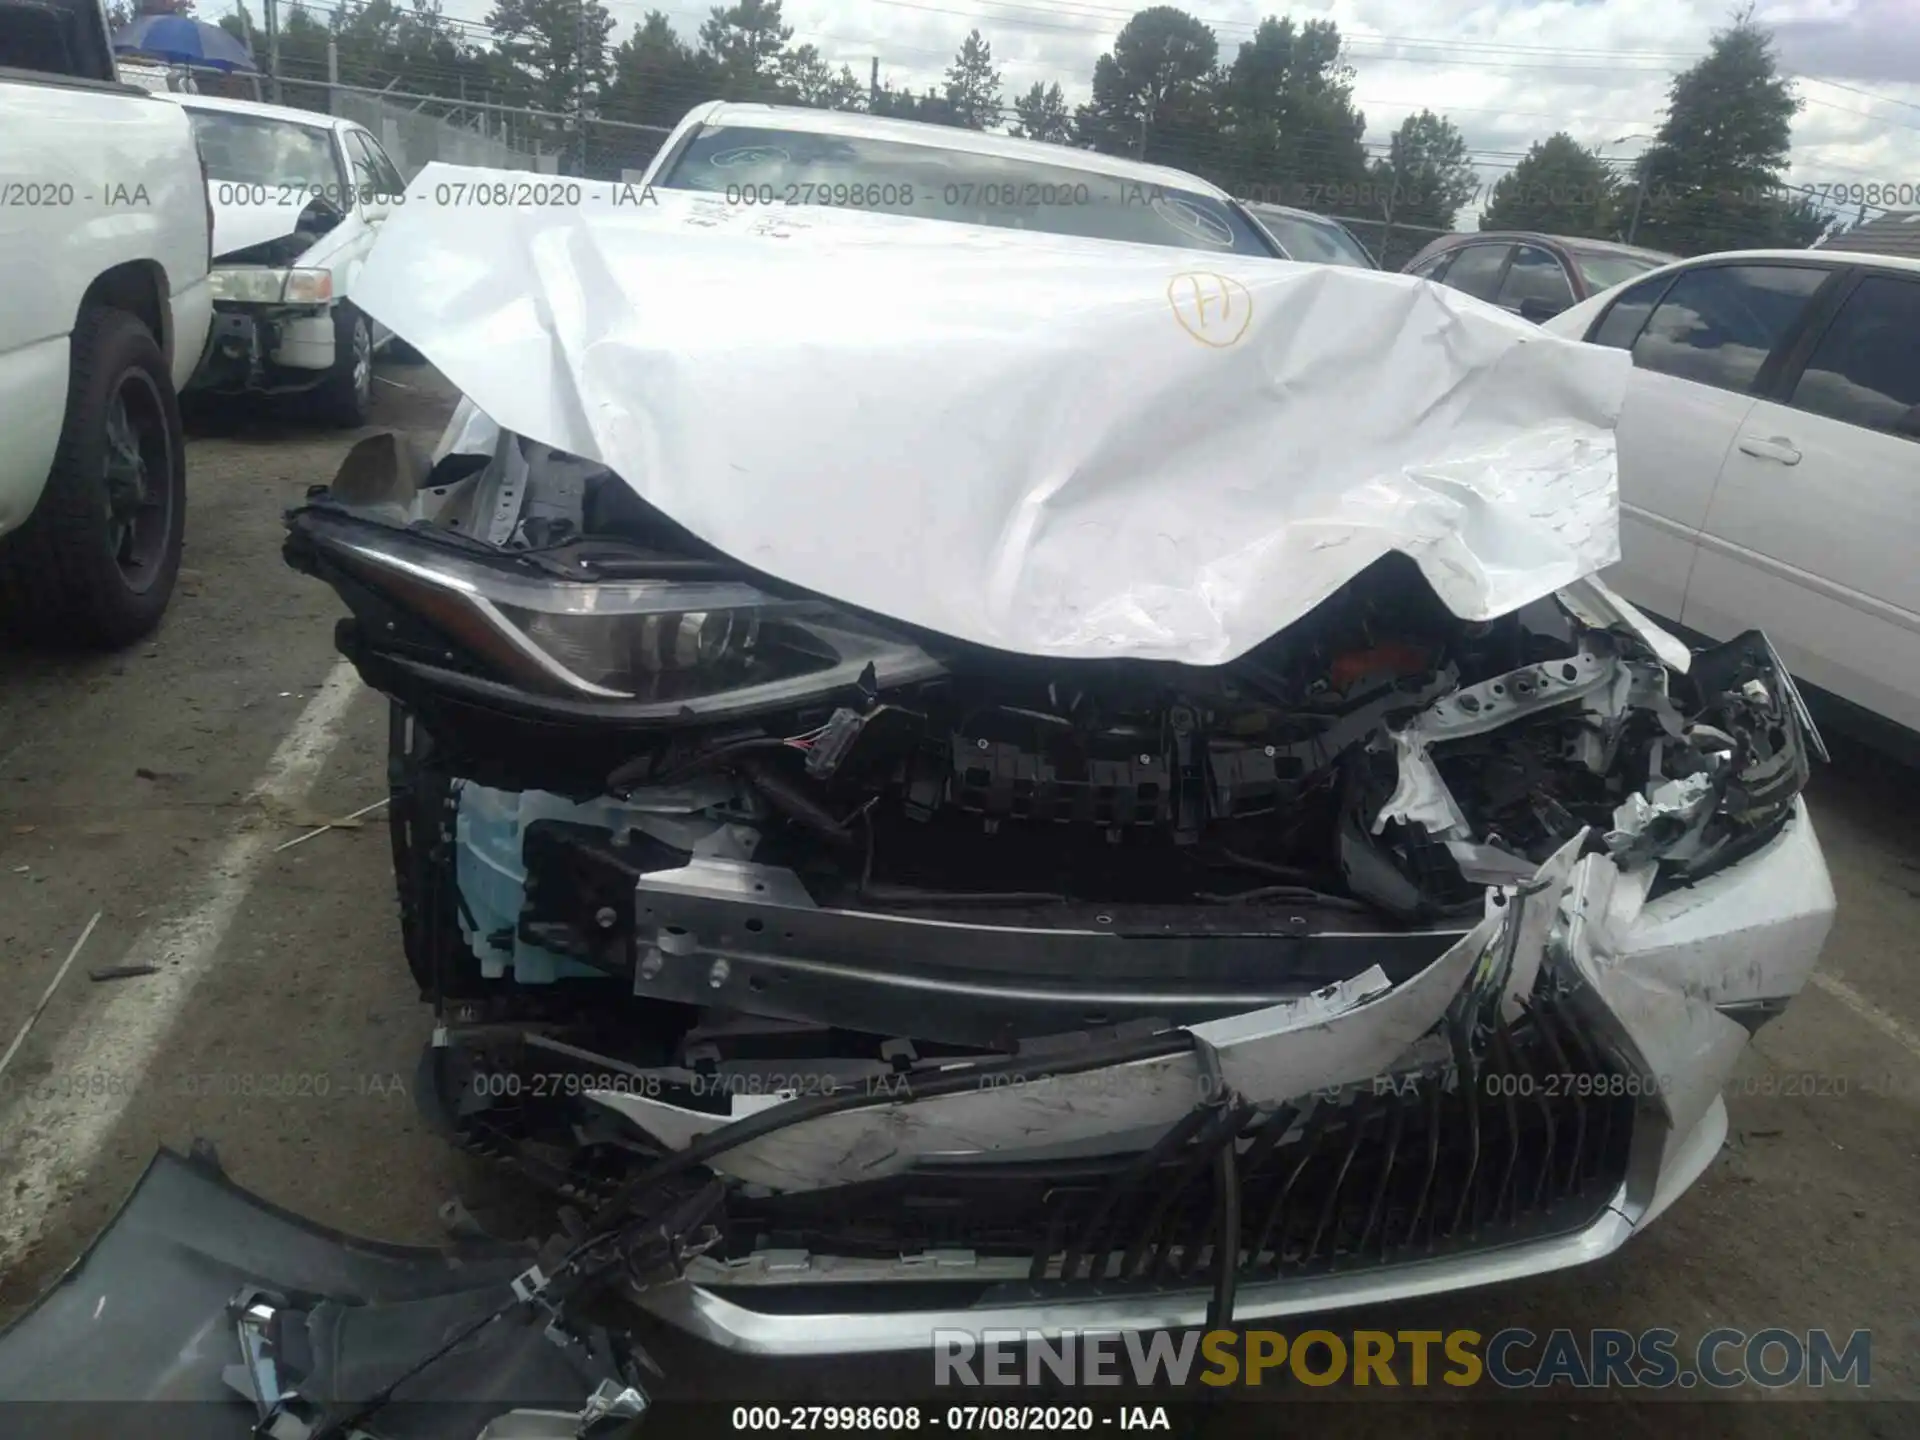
(1770, 458)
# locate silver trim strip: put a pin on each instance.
(1659, 522)
(720, 1321)
(1807, 580)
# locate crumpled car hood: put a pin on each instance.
(242, 225)
(1042, 444)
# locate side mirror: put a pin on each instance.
(1540, 311)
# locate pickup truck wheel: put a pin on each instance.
(346, 395)
(95, 563)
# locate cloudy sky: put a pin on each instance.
(1508, 72)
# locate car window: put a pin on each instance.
(1718, 325)
(1435, 268)
(1536, 275)
(55, 37)
(385, 171)
(1476, 269)
(1627, 316)
(1316, 241)
(1866, 369)
(751, 165)
(259, 150)
(374, 175)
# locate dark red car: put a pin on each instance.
(1535, 276)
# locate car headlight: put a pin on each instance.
(308, 287)
(265, 285)
(684, 643)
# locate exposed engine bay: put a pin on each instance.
(859, 843)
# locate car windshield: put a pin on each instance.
(1602, 270)
(1317, 241)
(259, 150)
(751, 165)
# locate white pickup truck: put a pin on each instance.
(105, 243)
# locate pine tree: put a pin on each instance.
(1043, 115)
(973, 85)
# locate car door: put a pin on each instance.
(1814, 530)
(1536, 286)
(1701, 339)
(377, 188)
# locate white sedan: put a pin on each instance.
(1770, 458)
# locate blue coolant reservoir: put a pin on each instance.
(492, 876)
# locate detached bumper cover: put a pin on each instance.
(200, 1295)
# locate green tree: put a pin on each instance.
(1561, 188)
(1425, 177)
(806, 79)
(559, 47)
(1291, 133)
(657, 76)
(1154, 94)
(1042, 114)
(1715, 171)
(746, 41)
(973, 85)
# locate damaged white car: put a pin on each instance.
(1023, 781)
(949, 777)
(296, 200)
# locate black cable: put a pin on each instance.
(948, 1080)
(337, 1427)
(1226, 1180)
(636, 770)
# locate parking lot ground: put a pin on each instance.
(153, 788)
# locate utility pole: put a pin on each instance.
(1639, 199)
(580, 93)
(1640, 190)
(273, 47)
(873, 84)
(333, 74)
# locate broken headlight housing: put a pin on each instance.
(654, 641)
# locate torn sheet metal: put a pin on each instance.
(1039, 443)
(1599, 607)
(1341, 1035)
(1663, 969)
(1421, 797)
